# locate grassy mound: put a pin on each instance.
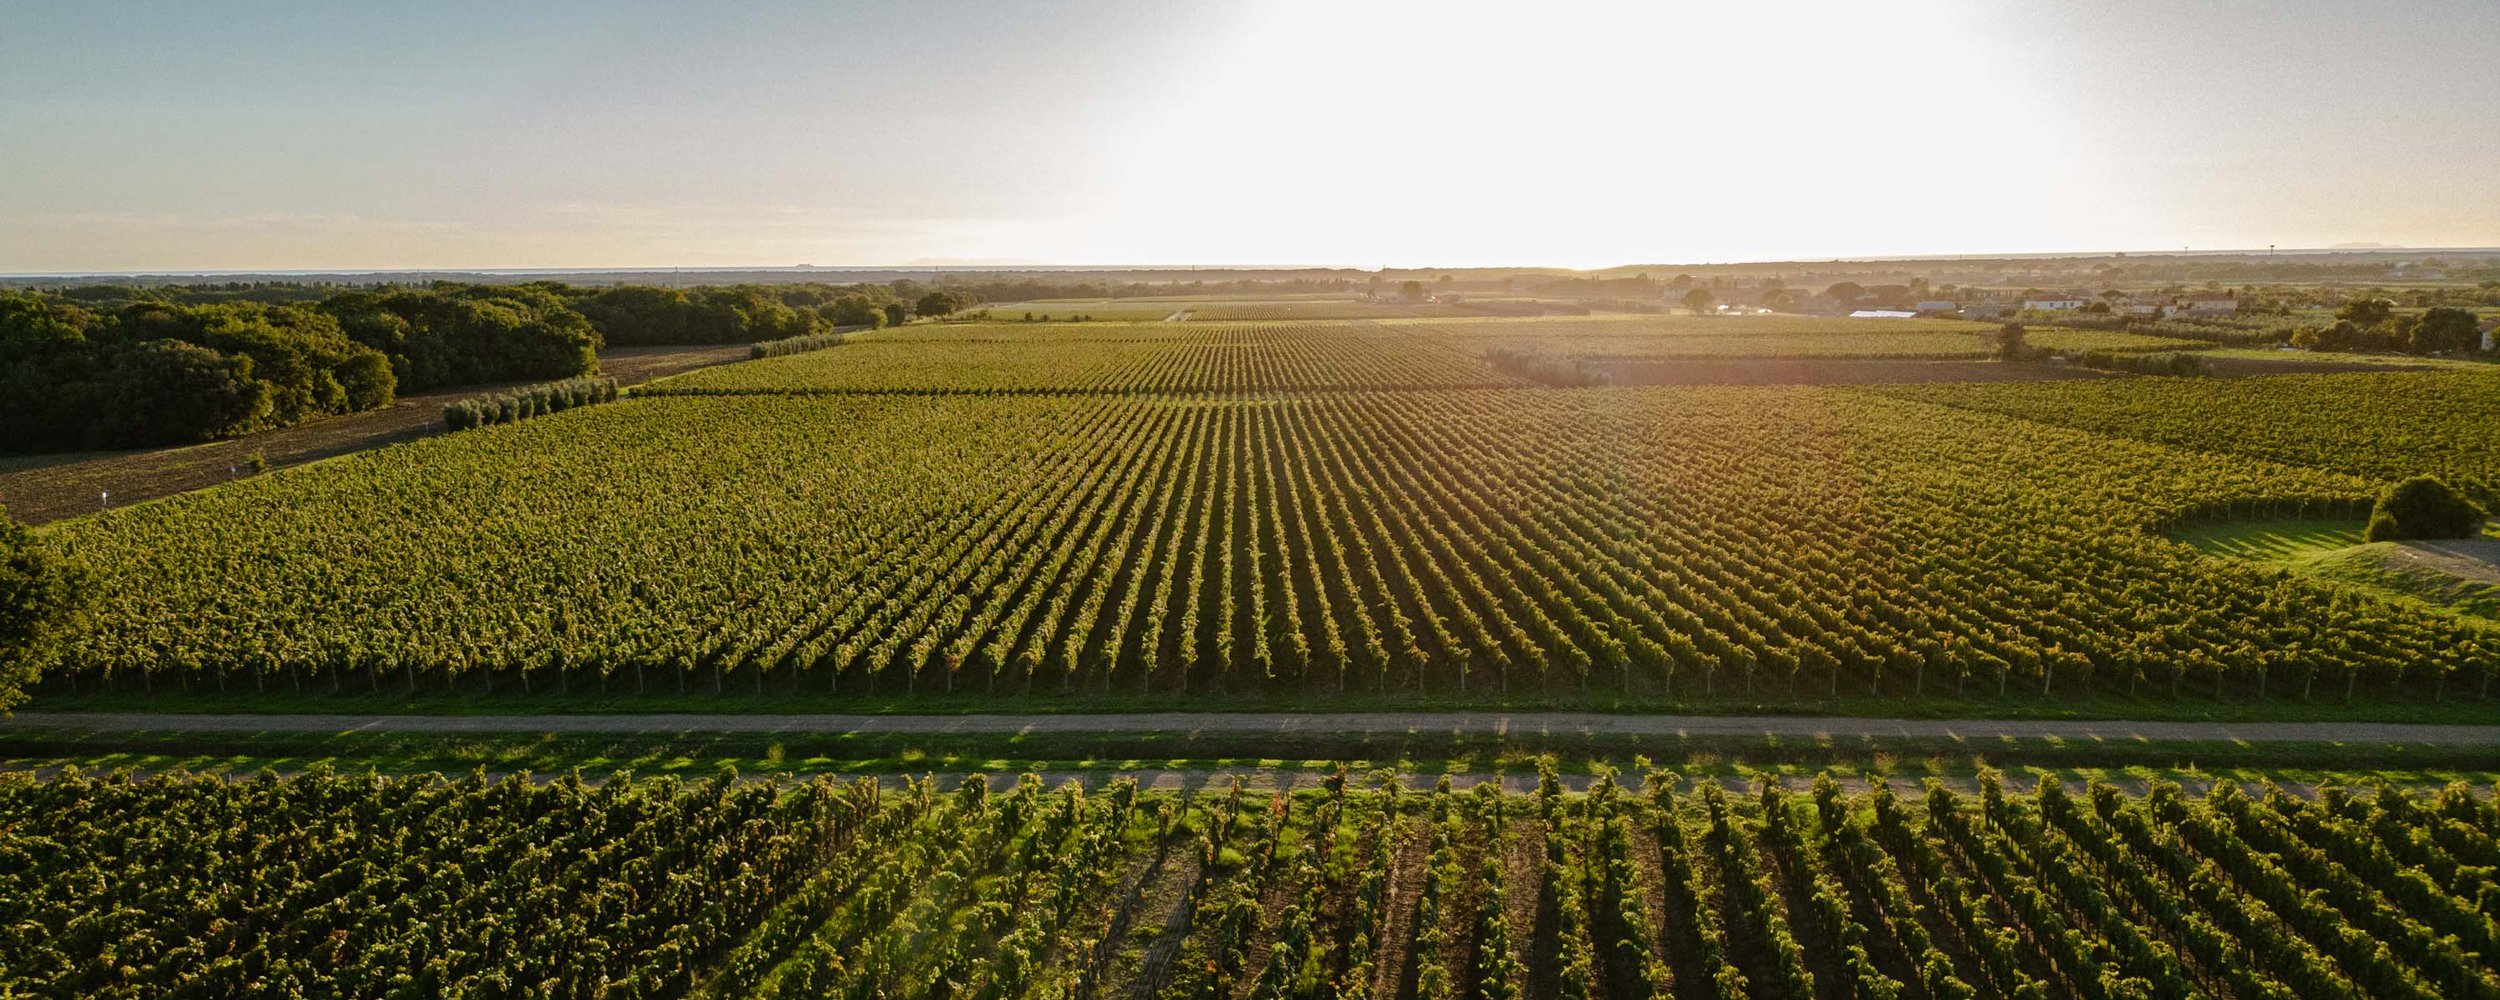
(2459, 576)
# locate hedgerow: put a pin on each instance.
(527, 402)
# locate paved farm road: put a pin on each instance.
(1288, 723)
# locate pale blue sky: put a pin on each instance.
(140, 136)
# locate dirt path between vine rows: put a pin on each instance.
(1977, 732)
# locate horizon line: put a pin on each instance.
(982, 268)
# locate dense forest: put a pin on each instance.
(109, 366)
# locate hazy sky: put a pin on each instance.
(568, 133)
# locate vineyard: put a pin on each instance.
(1234, 357)
(1676, 543)
(1111, 358)
(1664, 338)
(324, 885)
(2380, 426)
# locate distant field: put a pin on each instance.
(1226, 309)
(1664, 324)
(1606, 338)
(1087, 357)
(1117, 310)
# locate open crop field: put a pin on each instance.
(643, 888)
(1304, 509)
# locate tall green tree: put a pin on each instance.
(2444, 329)
(2366, 312)
(41, 595)
(2012, 342)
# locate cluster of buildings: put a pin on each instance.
(2156, 306)
(2151, 306)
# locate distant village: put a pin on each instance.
(2150, 306)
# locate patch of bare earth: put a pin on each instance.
(1117, 915)
(1523, 886)
(1649, 865)
(1283, 890)
(1790, 877)
(1151, 928)
(2476, 560)
(1458, 913)
(1406, 889)
(41, 488)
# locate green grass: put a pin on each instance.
(2282, 542)
(2377, 567)
(2335, 551)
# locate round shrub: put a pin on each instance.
(2423, 507)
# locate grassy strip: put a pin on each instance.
(2335, 552)
(871, 753)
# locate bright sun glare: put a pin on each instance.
(1480, 133)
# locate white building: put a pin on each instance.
(1882, 314)
(2207, 305)
(2053, 303)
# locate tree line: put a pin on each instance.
(2373, 324)
(99, 366)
